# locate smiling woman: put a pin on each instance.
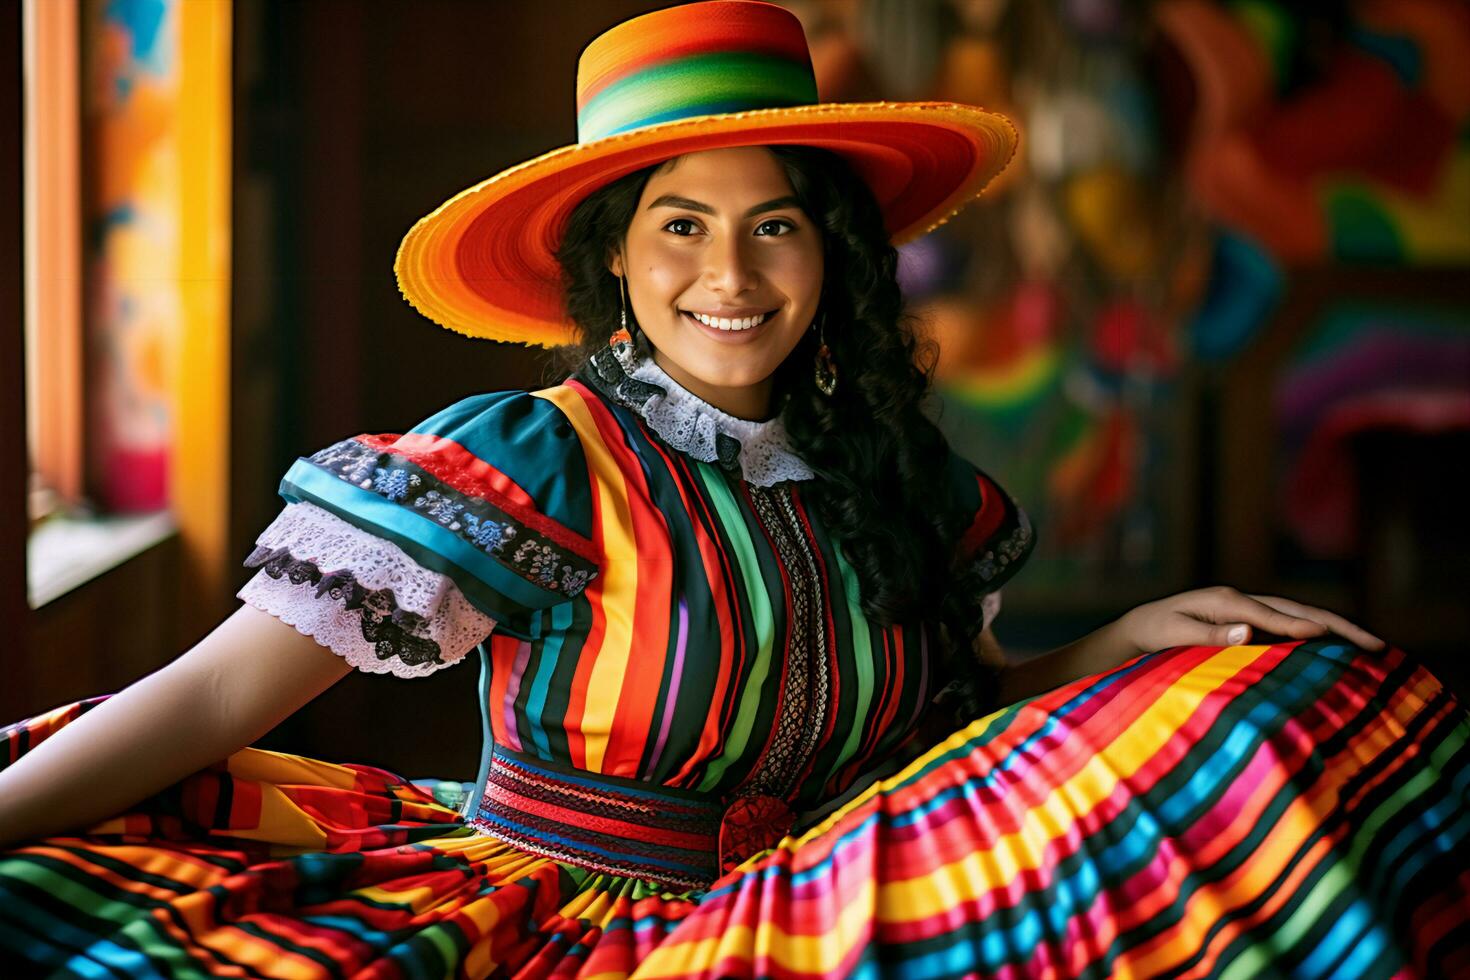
(790, 231)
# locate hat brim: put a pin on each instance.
(484, 262)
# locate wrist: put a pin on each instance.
(1101, 650)
(1118, 639)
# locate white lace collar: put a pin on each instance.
(759, 451)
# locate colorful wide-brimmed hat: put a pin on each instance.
(679, 80)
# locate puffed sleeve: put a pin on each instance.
(403, 551)
(995, 539)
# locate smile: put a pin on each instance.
(737, 324)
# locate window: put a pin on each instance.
(127, 144)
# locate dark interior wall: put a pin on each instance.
(14, 467)
(354, 118)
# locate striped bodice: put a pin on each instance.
(651, 592)
(720, 647)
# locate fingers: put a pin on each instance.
(1234, 608)
(1337, 624)
(1188, 630)
(1222, 616)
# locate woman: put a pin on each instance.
(724, 577)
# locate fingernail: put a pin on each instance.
(1236, 635)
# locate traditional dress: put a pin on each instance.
(701, 758)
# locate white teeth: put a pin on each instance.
(722, 323)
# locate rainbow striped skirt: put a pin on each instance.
(1299, 809)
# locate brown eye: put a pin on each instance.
(679, 221)
(778, 222)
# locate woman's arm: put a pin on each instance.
(241, 680)
(1102, 649)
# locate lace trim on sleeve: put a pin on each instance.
(360, 595)
(316, 535)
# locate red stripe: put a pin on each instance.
(245, 803)
(578, 822)
(620, 54)
(454, 465)
(893, 643)
(504, 650)
(988, 517)
(720, 569)
(654, 615)
(717, 568)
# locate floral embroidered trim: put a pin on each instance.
(759, 452)
(515, 545)
(324, 605)
(451, 463)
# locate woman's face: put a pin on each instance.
(719, 235)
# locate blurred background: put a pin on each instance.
(1213, 325)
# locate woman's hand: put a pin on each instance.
(1221, 616)
(1203, 617)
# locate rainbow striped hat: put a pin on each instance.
(679, 80)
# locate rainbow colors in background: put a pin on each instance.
(1148, 238)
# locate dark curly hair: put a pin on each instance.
(880, 459)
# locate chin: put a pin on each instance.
(724, 377)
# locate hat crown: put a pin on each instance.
(692, 60)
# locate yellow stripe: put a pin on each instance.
(970, 732)
(618, 575)
(938, 891)
(234, 943)
(815, 954)
(267, 766)
(1023, 850)
(1267, 870)
(1205, 908)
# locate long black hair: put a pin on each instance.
(880, 460)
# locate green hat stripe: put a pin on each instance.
(696, 86)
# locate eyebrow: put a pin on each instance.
(674, 201)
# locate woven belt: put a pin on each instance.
(605, 823)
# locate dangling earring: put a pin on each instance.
(826, 367)
(621, 335)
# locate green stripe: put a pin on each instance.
(862, 658)
(53, 877)
(1366, 834)
(75, 890)
(1336, 879)
(763, 80)
(760, 619)
(550, 655)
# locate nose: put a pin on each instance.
(727, 267)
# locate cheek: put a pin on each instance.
(663, 260)
(798, 270)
